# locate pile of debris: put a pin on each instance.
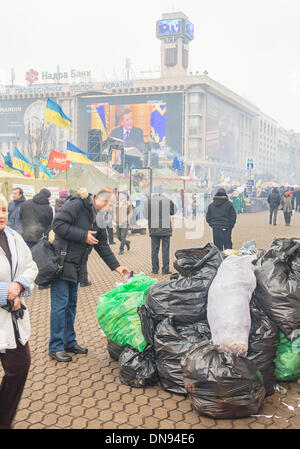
(222, 330)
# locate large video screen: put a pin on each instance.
(148, 118)
(222, 130)
(136, 124)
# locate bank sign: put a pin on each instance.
(32, 75)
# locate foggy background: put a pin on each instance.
(252, 47)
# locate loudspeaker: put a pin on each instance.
(95, 144)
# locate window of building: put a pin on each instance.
(195, 126)
(195, 103)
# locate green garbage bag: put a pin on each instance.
(117, 312)
(287, 360)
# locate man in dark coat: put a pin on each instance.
(77, 231)
(132, 136)
(158, 211)
(14, 220)
(274, 202)
(221, 217)
(36, 217)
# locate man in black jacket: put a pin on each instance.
(158, 211)
(77, 231)
(221, 217)
(36, 217)
(274, 202)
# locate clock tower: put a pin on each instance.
(175, 32)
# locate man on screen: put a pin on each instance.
(132, 136)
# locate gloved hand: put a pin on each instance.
(20, 312)
(9, 305)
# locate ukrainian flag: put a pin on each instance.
(43, 171)
(102, 121)
(74, 154)
(54, 114)
(21, 163)
(8, 165)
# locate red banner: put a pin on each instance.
(58, 160)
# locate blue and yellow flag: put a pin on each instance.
(55, 115)
(8, 165)
(158, 124)
(21, 163)
(74, 154)
(43, 171)
(102, 121)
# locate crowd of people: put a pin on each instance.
(77, 224)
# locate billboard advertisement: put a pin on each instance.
(222, 130)
(21, 120)
(136, 119)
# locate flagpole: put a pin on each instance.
(67, 177)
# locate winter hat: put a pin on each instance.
(221, 192)
(45, 192)
(63, 193)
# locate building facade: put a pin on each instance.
(190, 116)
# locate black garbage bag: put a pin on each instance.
(114, 350)
(138, 369)
(278, 284)
(171, 343)
(263, 339)
(221, 384)
(185, 298)
(147, 323)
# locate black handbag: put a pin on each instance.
(49, 260)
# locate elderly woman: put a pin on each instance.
(17, 274)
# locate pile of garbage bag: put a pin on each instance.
(222, 330)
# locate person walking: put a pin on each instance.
(274, 202)
(77, 232)
(123, 215)
(36, 217)
(221, 217)
(158, 211)
(17, 274)
(14, 220)
(287, 207)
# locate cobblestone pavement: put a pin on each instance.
(87, 393)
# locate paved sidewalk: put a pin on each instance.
(87, 393)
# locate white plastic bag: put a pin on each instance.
(228, 311)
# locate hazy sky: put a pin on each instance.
(252, 46)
